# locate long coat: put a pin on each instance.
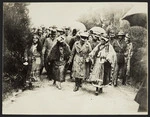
(80, 68)
(119, 70)
(58, 61)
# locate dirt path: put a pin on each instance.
(49, 100)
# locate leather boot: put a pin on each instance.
(100, 90)
(76, 85)
(115, 83)
(96, 92)
(80, 82)
(54, 83)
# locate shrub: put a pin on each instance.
(16, 35)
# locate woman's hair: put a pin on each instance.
(39, 45)
(74, 32)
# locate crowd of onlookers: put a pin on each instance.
(92, 56)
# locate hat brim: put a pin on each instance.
(105, 39)
(120, 35)
(84, 37)
(127, 37)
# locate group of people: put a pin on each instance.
(98, 58)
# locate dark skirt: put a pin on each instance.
(107, 73)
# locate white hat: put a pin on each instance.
(60, 29)
(104, 38)
(84, 34)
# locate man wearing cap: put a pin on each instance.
(128, 54)
(46, 50)
(42, 38)
(80, 52)
(67, 35)
(60, 32)
(120, 47)
(112, 36)
(73, 38)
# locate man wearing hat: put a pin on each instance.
(80, 57)
(40, 34)
(120, 47)
(67, 35)
(112, 35)
(60, 32)
(128, 54)
(74, 38)
(49, 42)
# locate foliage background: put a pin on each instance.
(16, 35)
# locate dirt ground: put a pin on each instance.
(47, 99)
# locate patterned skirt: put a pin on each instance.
(34, 69)
(98, 71)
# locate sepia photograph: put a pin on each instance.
(75, 58)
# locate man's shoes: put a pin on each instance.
(96, 93)
(110, 83)
(76, 89)
(115, 84)
(54, 83)
(80, 85)
(59, 87)
(100, 90)
(123, 83)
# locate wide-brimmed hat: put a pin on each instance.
(121, 33)
(60, 30)
(84, 35)
(104, 38)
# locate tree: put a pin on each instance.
(16, 31)
(140, 55)
(109, 15)
(16, 35)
